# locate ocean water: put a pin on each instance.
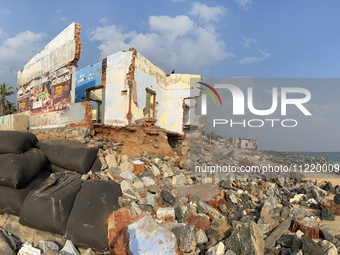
(333, 157)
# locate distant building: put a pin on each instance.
(242, 143)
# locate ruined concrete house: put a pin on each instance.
(125, 88)
(243, 143)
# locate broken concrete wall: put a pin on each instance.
(148, 76)
(116, 90)
(76, 114)
(178, 89)
(47, 82)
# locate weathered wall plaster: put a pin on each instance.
(116, 90)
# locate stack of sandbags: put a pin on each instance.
(48, 207)
(21, 169)
(66, 155)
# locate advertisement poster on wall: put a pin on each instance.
(23, 102)
(51, 96)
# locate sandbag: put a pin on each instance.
(56, 169)
(96, 166)
(11, 200)
(67, 154)
(16, 141)
(87, 225)
(48, 207)
(16, 170)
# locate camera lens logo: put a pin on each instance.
(204, 97)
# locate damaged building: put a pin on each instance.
(124, 89)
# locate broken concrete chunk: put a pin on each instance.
(186, 237)
(216, 250)
(246, 239)
(147, 237)
(46, 246)
(165, 212)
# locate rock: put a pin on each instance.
(229, 252)
(296, 243)
(328, 247)
(297, 252)
(127, 175)
(149, 200)
(153, 189)
(285, 211)
(155, 170)
(138, 185)
(113, 172)
(135, 209)
(46, 246)
(285, 241)
(233, 198)
(205, 208)
(168, 197)
(179, 179)
(219, 228)
(310, 248)
(147, 181)
(111, 161)
(324, 234)
(277, 233)
(300, 210)
(89, 251)
(147, 237)
(299, 234)
(126, 166)
(226, 184)
(201, 236)
(186, 237)
(327, 214)
(52, 253)
(216, 250)
(165, 212)
(337, 199)
(246, 239)
(5, 245)
(206, 180)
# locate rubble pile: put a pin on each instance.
(167, 209)
(214, 214)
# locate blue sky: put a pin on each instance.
(217, 39)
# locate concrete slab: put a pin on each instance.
(205, 191)
(147, 237)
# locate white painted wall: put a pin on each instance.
(116, 104)
(56, 54)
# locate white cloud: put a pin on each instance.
(206, 13)
(248, 60)
(2, 33)
(103, 20)
(63, 19)
(172, 43)
(57, 11)
(244, 4)
(6, 11)
(16, 51)
(246, 42)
